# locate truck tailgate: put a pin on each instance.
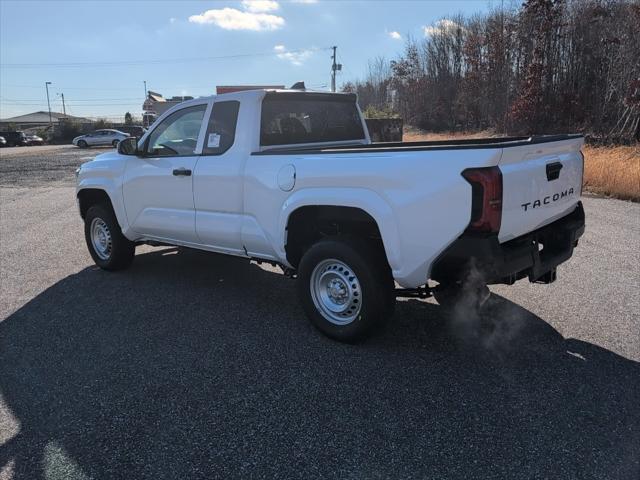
(541, 183)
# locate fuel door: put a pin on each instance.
(287, 178)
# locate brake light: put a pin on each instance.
(486, 204)
(582, 168)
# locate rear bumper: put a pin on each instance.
(534, 255)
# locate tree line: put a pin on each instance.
(548, 66)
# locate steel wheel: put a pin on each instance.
(336, 291)
(101, 240)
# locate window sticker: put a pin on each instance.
(213, 141)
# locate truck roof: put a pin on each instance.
(259, 94)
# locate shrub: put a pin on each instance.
(372, 112)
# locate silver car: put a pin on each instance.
(106, 136)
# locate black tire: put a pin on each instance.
(121, 252)
(82, 144)
(115, 144)
(375, 293)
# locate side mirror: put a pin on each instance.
(128, 146)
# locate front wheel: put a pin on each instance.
(346, 288)
(82, 144)
(108, 247)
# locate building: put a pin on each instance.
(155, 105)
(39, 120)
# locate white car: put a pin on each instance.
(103, 137)
(291, 177)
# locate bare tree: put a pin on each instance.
(548, 66)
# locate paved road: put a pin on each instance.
(191, 365)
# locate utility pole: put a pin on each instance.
(334, 68)
(145, 118)
(46, 85)
(64, 109)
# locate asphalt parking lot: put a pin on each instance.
(192, 365)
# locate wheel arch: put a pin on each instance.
(87, 197)
(361, 212)
(91, 194)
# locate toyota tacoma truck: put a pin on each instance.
(291, 177)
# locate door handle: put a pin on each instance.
(182, 172)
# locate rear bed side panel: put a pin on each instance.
(419, 199)
(532, 198)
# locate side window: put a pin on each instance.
(176, 135)
(221, 131)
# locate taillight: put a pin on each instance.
(582, 178)
(486, 204)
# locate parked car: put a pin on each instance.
(133, 130)
(106, 136)
(292, 178)
(34, 140)
(14, 139)
(3, 142)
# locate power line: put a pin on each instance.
(75, 88)
(74, 100)
(150, 62)
(71, 104)
(159, 87)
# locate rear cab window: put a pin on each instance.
(221, 129)
(303, 118)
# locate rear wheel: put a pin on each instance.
(115, 144)
(82, 144)
(346, 288)
(108, 247)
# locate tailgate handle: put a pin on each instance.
(553, 170)
(182, 172)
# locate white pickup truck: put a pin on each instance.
(291, 177)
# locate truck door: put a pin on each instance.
(158, 186)
(217, 181)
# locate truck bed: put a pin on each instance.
(463, 144)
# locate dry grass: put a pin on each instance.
(611, 171)
(412, 134)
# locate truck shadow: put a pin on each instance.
(193, 365)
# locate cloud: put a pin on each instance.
(233, 19)
(304, 1)
(172, 20)
(442, 27)
(260, 6)
(395, 35)
(296, 57)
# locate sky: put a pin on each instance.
(99, 53)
